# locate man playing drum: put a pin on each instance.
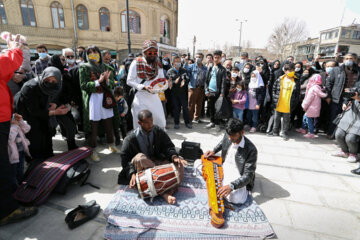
(148, 146)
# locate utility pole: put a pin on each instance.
(128, 26)
(194, 43)
(241, 22)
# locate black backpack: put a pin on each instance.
(190, 151)
(78, 173)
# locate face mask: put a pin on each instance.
(42, 55)
(291, 74)
(243, 61)
(283, 69)
(70, 61)
(177, 65)
(297, 69)
(198, 60)
(234, 74)
(238, 89)
(348, 63)
(50, 85)
(262, 65)
(210, 64)
(165, 63)
(329, 69)
(94, 57)
(313, 67)
(222, 60)
(246, 70)
(305, 75)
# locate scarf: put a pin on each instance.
(55, 61)
(147, 71)
(258, 82)
(50, 89)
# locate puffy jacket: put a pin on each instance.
(312, 101)
(294, 96)
(335, 83)
(245, 159)
(10, 61)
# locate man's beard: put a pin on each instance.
(150, 59)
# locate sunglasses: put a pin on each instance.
(151, 53)
(62, 59)
(19, 72)
(72, 56)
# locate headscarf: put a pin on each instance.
(272, 65)
(97, 68)
(298, 74)
(55, 61)
(258, 82)
(148, 44)
(50, 89)
(314, 80)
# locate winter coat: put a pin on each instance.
(312, 102)
(350, 122)
(295, 96)
(221, 83)
(16, 130)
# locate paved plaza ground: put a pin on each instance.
(304, 191)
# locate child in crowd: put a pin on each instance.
(312, 105)
(238, 100)
(123, 109)
(18, 145)
(256, 90)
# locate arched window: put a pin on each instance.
(28, 13)
(82, 17)
(104, 15)
(165, 27)
(57, 13)
(3, 19)
(134, 20)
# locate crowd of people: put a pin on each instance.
(89, 94)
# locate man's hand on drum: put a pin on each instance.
(209, 154)
(224, 191)
(132, 181)
(179, 160)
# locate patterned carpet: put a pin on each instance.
(130, 217)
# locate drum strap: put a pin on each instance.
(150, 182)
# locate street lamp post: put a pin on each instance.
(241, 22)
(128, 26)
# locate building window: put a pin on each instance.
(328, 51)
(57, 13)
(28, 13)
(345, 33)
(104, 15)
(3, 19)
(356, 35)
(343, 50)
(134, 19)
(164, 27)
(336, 33)
(82, 17)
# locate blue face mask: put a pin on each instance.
(329, 69)
(42, 55)
(348, 63)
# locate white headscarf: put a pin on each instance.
(258, 82)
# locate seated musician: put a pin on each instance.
(239, 156)
(146, 147)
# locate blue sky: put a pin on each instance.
(214, 21)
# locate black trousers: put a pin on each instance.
(335, 109)
(7, 185)
(211, 102)
(67, 125)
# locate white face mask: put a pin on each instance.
(70, 61)
(297, 69)
(253, 79)
(246, 70)
(234, 75)
(238, 89)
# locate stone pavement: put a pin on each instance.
(304, 191)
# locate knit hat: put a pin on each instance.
(149, 44)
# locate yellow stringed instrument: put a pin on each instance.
(213, 174)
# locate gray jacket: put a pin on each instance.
(350, 122)
(336, 82)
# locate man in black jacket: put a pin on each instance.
(339, 79)
(153, 142)
(215, 86)
(239, 156)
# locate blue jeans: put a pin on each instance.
(180, 101)
(238, 113)
(18, 169)
(308, 123)
(252, 117)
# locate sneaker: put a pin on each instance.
(309, 135)
(95, 157)
(301, 130)
(18, 215)
(188, 126)
(113, 149)
(275, 134)
(197, 121)
(340, 154)
(177, 126)
(285, 137)
(352, 158)
(210, 125)
(246, 127)
(269, 133)
(252, 130)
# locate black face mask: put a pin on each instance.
(150, 59)
(50, 85)
(305, 75)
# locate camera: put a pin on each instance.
(352, 92)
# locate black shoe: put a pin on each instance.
(71, 144)
(269, 133)
(356, 171)
(188, 125)
(275, 134)
(285, 137)
(82, 214)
